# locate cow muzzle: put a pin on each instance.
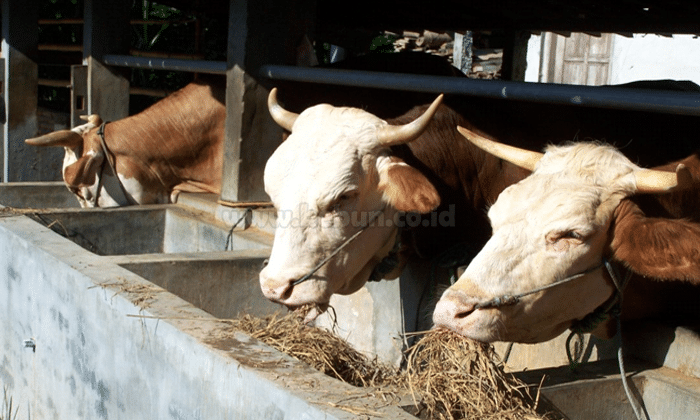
(281, 287)
(457, 312)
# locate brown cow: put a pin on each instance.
(174, 145)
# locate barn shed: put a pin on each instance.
(118, 313)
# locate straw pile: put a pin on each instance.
(448, 376)
(316, 347)
(452, 377)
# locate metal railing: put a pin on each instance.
(672, 102)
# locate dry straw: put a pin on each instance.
(448, 376)
(316, 347)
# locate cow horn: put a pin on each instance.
(284, 118)
(93, 119)
(391, 135)
(654, 181)
(521, 157)
(59, 138)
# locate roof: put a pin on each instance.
(593, 16)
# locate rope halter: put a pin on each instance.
(506, 300)
(342, 246)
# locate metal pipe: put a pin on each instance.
(672, 102)
(174, 64)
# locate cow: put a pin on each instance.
(334, 174)
(172, 146)
(570, 245)
(157, 157)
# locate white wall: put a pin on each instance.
(653, 57)
(534, 55)
(642, 57)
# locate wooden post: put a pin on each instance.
(462, 53)
(20, 92)
(78, 94)
(260, 32)
(515, 56)
(106, 31)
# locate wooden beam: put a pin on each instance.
(260, 32)
(515, 56)
(106, 31)
(21, 162)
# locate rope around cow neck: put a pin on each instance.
(113, 167)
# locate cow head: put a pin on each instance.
(332, 176)
(550, 226)
(82, 164)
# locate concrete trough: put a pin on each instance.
(96, 335)
(120, 313)
(595, 391)
(224, 284)
(149, 230)
(38, 195)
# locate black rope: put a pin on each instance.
(506, 300)
(112, 165)
(229, 238)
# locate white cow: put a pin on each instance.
(331, 177)
(543, 268)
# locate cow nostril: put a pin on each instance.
(464, 313)
(287, 291)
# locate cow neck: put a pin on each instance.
(113, 167)
(388, 263)
(610, 307)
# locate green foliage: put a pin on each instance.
(383, 44)
(175, 35)
(61, 34)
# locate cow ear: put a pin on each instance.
(665, 249)
(83, 172)
(404, 187)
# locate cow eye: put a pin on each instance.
(572, 234)
(342, 200)
(556, 237)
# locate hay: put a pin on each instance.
(316, 347)
(452, 377)
(448, 376)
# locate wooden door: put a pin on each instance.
(580, 59)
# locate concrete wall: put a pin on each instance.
(109, 344)
(653, 57)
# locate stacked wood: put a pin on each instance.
(486, 64)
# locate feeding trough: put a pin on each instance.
(123, 310)
(86, 288)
